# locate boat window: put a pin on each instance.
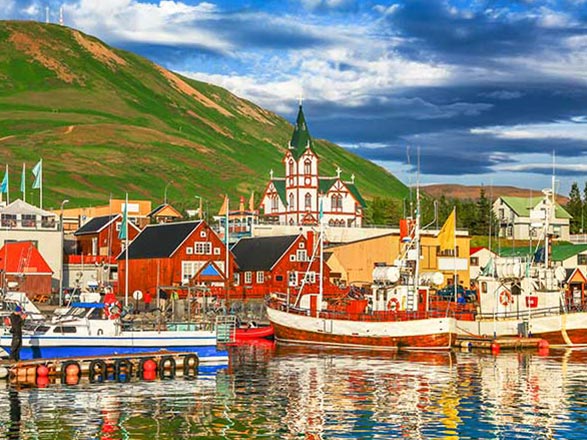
(42, 329)
(96, 314)
(484, 287)
(64, 329)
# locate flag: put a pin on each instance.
(4, 184)
(321, 212)
(446, 236)
(252, 201)
(38, 173)
(123, 225)
(224, 207)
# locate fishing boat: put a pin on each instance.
(96, 329)
(392, 314)
(526, 296)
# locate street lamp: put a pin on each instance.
(62, 245)
(165, 192)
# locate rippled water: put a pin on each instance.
(292, 392)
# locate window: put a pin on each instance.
(9, 220)
(501, 214)
(189, 250)
(310, 277)
(278, 277)
(582, 259)
(216, 251)
(236, 279)
(301, 245)
(29, 220)
(474, 261)
(274, 202)
(307, 166)
(189, 269)
(260, 277)
(48, 221)
(308, 201)
(336, 202)
(248, 277)
(292, 257)
(291, 202)
(301, 255)
(291, 167)
(202, 248)
(292, 279)
(203, 234)
(64, 329)
(484, 287)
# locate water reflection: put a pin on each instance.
(295, 392)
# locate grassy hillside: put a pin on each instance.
(107, 121)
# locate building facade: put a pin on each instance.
(302, 196)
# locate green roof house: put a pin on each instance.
(303, 196)
(522, 218)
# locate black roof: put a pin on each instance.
(95, 225)
(261, 253)
(159, 241)
(157, 209)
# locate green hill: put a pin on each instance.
(106, 122)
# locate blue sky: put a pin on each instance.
(486, 90)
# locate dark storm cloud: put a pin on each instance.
(478, 36)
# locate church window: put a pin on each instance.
(336, 201)
(307, 166)
(308, 201)
(291, 202)
(291, 167)
(274, 202)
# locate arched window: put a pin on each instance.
(308, 201)
(274, 202)
(330, 222)
(307, 166)
(336, 201)
(292, 201)
(291, 167)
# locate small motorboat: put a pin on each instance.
(253, 332)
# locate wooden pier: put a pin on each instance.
(501, 343)
(118, 368)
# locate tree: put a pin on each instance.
(382, 211)
(574, 207)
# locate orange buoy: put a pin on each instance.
(72, 379)
(150, 365)
(543, 344)
(149, 375)
(42, 371)
(72, 370)
(495, 347)
(42, 381)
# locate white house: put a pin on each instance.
(523, 218)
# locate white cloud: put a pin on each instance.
(166, 22)
(571, 130)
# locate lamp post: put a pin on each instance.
(62, 245)
(165, 192)
(200, 207)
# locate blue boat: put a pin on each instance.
(93, 329)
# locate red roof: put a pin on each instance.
(22, 257)
(474, 250)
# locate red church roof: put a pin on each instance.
(22, 257)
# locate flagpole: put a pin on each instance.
(7, 186)
(454, 253)
(23, 183)
(126, 251)
(226, 268)
(41, 187)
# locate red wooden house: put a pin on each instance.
(99, 237)
(174, 254)
(274, 264)
(22, 263)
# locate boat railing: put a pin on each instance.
(521, 314)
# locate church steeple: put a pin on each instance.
(300, 139)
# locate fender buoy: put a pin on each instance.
(393, 305)
(147, 365)
(123, 370)
(190, 365)
(70, 372)
(113, 309)
(505, 298)
(97, 371)
(167, 367)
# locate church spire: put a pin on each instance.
(300, 139)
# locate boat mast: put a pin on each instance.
(321, 238)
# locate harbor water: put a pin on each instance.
(289, 392)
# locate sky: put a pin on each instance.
(476, 92)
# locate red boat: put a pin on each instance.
(247, 333)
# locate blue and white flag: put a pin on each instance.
(38, 173)
(4, 184)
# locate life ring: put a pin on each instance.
(505, 298)
(112, 310)
(393, 305)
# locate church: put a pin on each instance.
(303, 195)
